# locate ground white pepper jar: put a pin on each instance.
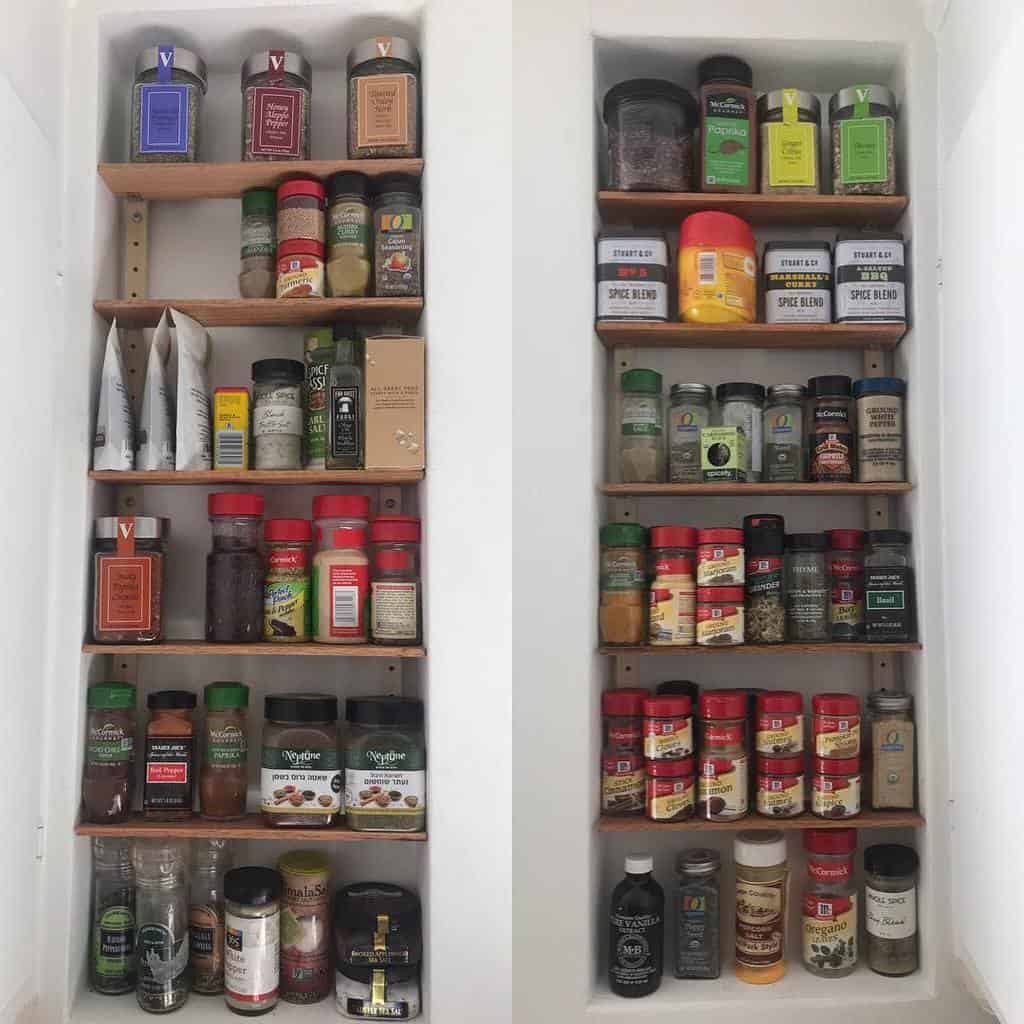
(881, 449)
(252, 939)
(277, 413)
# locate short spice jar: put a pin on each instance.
(385, 765)
(252, 939)
(109, 772)
(341, 589)
(789, 122)
(829, 918)
(642, 428)
(397, 237)
(717, 269)
(287, 588)
(169, 776)
(651, 125)
(831, 451)
(783, 433)
(728, 125)
(170, 83)
(673, 613)
(780, 786)
(223, 777)
(383, 99)
(764, 541)
(668, 728)
(277, 413)
(349, 235)
(670, 790)
(277, 91)
(395, 615)
(846, 575)
(891, 724)
(300, 780)
(890, 908)
(300, 269)
(622, 782)
(623, 583)
(724, 763)
(720, 616)
(741, 404)
(257, 278)
(234, 569)
(779, 723)
(128, 579)
(863, 121)
(835, 787)
(622, 720)
(689, 412)
(807, 588)
(699, 921)
(835, 725)
(720, 557)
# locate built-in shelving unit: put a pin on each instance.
(757, 822)
(200, 648)
(260, 477)
(753, 490)
(631, 334)
(826, 649)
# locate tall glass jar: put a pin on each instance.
(807, 588)
(383, 99)
(109, 773)
(762, 884)
(395, 616)
(252, 944)
(211, 858)
(128, 579)
(890, 909)
(830, 939)
(277, 91)
(398, 237)
(277, 413)
(112, 958)
(385, 765)
(699, 922)
(789, 120)
(783, 430)
(349, 235)
(234, 569)
(863, 140)
(623, 583)
(740, 404)
(223, 777)
(889, 598)
(689, 412)
(890, 746)
(257, 277)
(170, 83)
(161, 906)
(642, 428)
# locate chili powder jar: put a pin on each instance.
(109, 753)
(129, 579)
(222, 779)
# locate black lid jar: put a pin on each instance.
(358, 938)
(277, 89)
(383, 99)
(170, 83)
(398, 236)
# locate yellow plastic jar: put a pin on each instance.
(717, 269)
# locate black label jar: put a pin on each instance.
(234, 569)
(170, 83)
(889, 603)
(863, 141)
(276, 99)
(831, 449)
(398, 241)
(383, 99)
(764, 539)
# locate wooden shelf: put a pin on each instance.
(280, 477)
(751, 490)
(230, 180)
(834, 648)
(259, 312)
(668, 208)
(273, 650)
(618, 333)
(758, 822)
(249, 827)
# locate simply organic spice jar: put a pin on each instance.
(128, 579)
(170, 83)
(383, 99)
(257, 278)
(641, 428)
(276, 99)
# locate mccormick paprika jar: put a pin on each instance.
(720, 561)
(129, 579)
(835, 724)
(846, 571)
(723, 781)
(779, 725)
(719, 616)
(622, 720)
(835, 787)
(668, 728)
(223, 777)
(717, 269)
(780, 786)
(670, 790)
(673, 611)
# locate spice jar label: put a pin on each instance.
(623, 572)
(300, 781)
(791, 151)
(835, 797)
(870, 281)
(722, 787)
(114, 942)
(760, 927)
(125, 592)
(251, 951)
(829, 871)
(673, 613)
(275, 113)
(719, 566)
(277, 413)
(163, 958)
(780, 796)
(726, 139)
(287, 608)
(164, 117)
(225, 747)
(622, 785)
(168, 780)
(345, 415)
(863, 148)
(890, 915)
(847, 608)
(386, 790)
(641, 417)
(830, 931)
(670, 799)
(668, 738)
(836, 737)
(206, 943)
(393, 616)
(779, 734)
(892, 763)
(305, 937)
(348, 585)
(109, 743)
(887, 593)
(300, 276)
(720, 624)
(383, 107)
(348, 224)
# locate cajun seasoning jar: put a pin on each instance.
(642, 428)
(109, 772)
(170, 756)
(398, 237)
(622, 783)
(789, 120)
(719, 616)
(780, 786)
(720, 560)
(668, 728)
(170, 83)
(723, 784)
(349, 235)
(835, 725)
(252, 926)
(890, 908)
(300, 782)
(670, 790)
(728, 126)
(128, 579)
(234, 569)
(863, 141)
(889, 600)
(831, 450)
(846, 573)
(287, 589)
(623, 583)
(276, 99)
(383, 98)
(807, 588)
(223, 777)
(395, 580)
(257, 278)
(673, 612)
(622, 720)
(830, 939)
(779, 723)
(835, 787)
(764, 541)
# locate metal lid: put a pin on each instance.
(797, 245)
(737, 390)
(698, 861)
(786, 393)
(383, 48)
(890, 700)
(701, 392)
(184, 60)
(806, 101)
(294, 64)
(880, 96)
(146, 527)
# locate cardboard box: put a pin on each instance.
(231, 428)
(723, 455)
(395, 402)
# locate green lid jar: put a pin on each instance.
(257, 277)
(623, 583)
(642, 427)
(108, 773)
(224, 775)
(111, 696)
(226, 696)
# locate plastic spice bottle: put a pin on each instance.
(673, 612)
(108, 776)
(341, 589)
(395, 580)
(728, 125)
(623, 583)
(846, 572)
(670, 790)
(830, 938)
(699, 922)
(287, 591)
(622, 721)
(762, 878)
(723, 783)
(835, 725)
(764, 540)
(668, 728)
(252, 943)
(717, 269)
(890, 908)
(338, 512)
(779, 723)
(622, 782)
(642, 428)
(720, 616)
(300, 211)
(234, 569)
(720, 561)
(835, 787)
(300, 269)
(780, 786)
(257, 278)
(831, 451)
(223, 777)
(170, 756)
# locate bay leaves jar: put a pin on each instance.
(385, 765)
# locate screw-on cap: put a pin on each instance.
(699, 862)
(768, 765)
(312, 187)
(723, 704)
(783, 702)
(395, 530)
(291, 64)
(623, 535)
(741, 389)
(384, 711)
(627, 702)
(341, 506)
(667, 707)
(806, 542)
(890, 859)
(349, 538)
(111, 696)
(234, 503)
(714, 228)
(759, 849)
(833, 385)
(289, 370)
(679, 768)
(845, 540)
(724, 68)
(298, 531)
(226, 696)
(300, 707)
(720, 535)
(890, 700)
(642, 382)
(350, 184)
(831, 840)
(836, 704)
(673, 537)
(259, 201)
(837, 765)
(639, 863)
(879, 386)
(252, 886)
(171, 700)
(383, 48)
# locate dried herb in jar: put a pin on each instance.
(383, 99)
(863, 141)
(398, 237)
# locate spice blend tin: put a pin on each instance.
(632, 276)
(870, 278)
(798, 283)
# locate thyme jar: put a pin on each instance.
(890, 908)
(642, 428)
(789, 124)
(807, 589)
(349, 235)
(277, 413)
(170, 83)
(257, 278)
(699, 921)
(783, 431)
(398, 237)
(383, 98)
(688, 414)
(863, 141)
(385, 765)
(276, 99)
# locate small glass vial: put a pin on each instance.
(846, 573)
(835, 787)
(277, 413)
(252, 939)
(211, 858)
(699, 920)
(780, 786)
(723, 782)
(642, 428)
(112, 960)
(807, 590)
(891, 744)
(829, 917)
(689, 412)
(170, 83)
(741, 404)
(890, 909)
(889, 598)
(783, 431)
(395, 616)
(161, 906)
(287, 588)
(234, 569)
(257, 278)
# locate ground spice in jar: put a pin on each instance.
(252, 942)
(835, 787)
(108, 776)
(305, 926)
(287, 591)
(720, 558)
(780, 786)
(762, 878)
(300, 210)
(395, 614)
(169, 775)
(723, 783)
(668, 728)
(300, 269)
(223, 777)
(623, 583)
(835, 725)
(719, 616)
(670, 790)
(831, 452)
(622, 721)
(890, 908)
(689, 413)
(892, 749)
(789, 121)
(764, 543)
(728, 123)
(257, 279)
(863, 140)
(341, 589)
(642, 428)
(622, 783)
(398, 237)
(383, 99)
(349, 234)
(881, 449)
(699, 923)
(779, 723)
(277, 413)
(830, 939)
(128, 573)
(673, 611)
(846, 572)
(276, 100)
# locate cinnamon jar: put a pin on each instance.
(222, 780)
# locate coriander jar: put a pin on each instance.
(277, 413)
(349, 235)
(789, 120)
(170, 83)
(642, 428)
(764, 540)
(257, 278)
(277, 89)
(383, 99)
(863, 141)
(623, 584)
(385, 765)
(689, 412)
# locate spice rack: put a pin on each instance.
(775, 336)
(760, 823)
(200, 648)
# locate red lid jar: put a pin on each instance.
(668, 728)
(835, 787)
(835, 725)
(830, 854)
(720, 616)
(337, 511)
(622, 717)
(779, 726)
(673, 537)
(720, 559)
(622, 784)
(670, 790)
(780, 786)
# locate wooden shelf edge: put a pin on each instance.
(616, 333)
(201, 647)
(757, 822)
(215, 477)
(249, 827)
(833, 648)
(752, 489)
(229, 180)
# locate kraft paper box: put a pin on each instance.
(723, 454)
(395, 402)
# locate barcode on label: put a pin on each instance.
(345, 601)
(230, 449)
(706, 267)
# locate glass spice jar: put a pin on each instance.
(623, 583)
(257, 278)
(277, 413)
(846, 576)
(234, 569)
(863, 121)
(890, 908)
(252, 929)
(764, 541)
(349, 235)
(830, 939)
(789, 123)
(642, 428)
(780, 786)
(889, 597)
(741, 404)
(128, 579)
(277, 91)
(668, 728)
(689, 412)
(807, 588)
(779, 723)
(169, 777)
(395, 616)
(398, 237)
(161, 913)
(670, 790)
(673, 590)
(113, 967)
(783, 432)
(300, 269)
(891, 745)
(170, 83)
(223, 778)
(881, 445)
(622, 721)
(287, 587)
(109, 772)
(831, 448)
(723, 782)
(835, 787)
(383, 99)
(835, 724)
(699, 922)
(211, 858)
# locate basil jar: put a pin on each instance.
(170, 83)
(385, 765)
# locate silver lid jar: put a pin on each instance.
(383, 48)
(278, 61)
(182, 60)
(146, 527)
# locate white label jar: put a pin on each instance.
(632, 276)
(252, 939)
(798, 283)
(870, 279)
(881, 446)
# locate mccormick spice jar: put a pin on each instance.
(622, 783)
(395, 580)
(223, 777)
(256, 278)
(779, 723)
(276, 99)
(719, 616)
(668, 728)
(642, 428)
(108, 776)
(881, 447)
(305, 926)
(720, 558)
(835, 725)
(835, 787)
(830, 939)
(728, 126)
(673, 612)
(717, 269)
(723, 783)
(170, 756)
(789, 120)
(780, 786)
(670, 790)
(831, 450)
(623, 583)
(170, 83)
(632, 275)
(846, 572)
(764, 540)
(798, 282)
(870, 278)
(300, 269)
(128, 579)
(287, 589)
(622, 720)
(383, 98)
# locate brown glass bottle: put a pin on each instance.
(728, 126)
